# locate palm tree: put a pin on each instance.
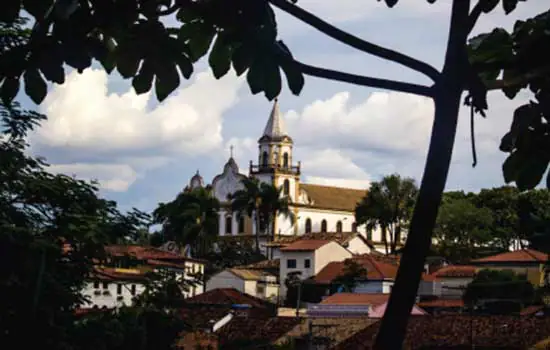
(388, 205)
(263, 202)
(190, 219)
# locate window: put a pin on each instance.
(308, 225)
(260, 290)
(307, 263)
(119, 288)
(105, 285)
(133, 289)
(339, 226)
(96, 285)
(285, 160)
(265, 159)
(228, 224)
(324, 225)
(241, 224)
(354, 227)
(291, 264)
(369, 235)
(286, 187)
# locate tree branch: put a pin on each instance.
(474, 16)
(354, 41)
(364, 81)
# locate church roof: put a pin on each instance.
(333, 198)
(275, 127)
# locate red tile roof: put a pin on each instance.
(141, 252)
(338, 237)
(113, 274)
(376, 270)
(305, 245)
(442, 303)
(228, 296)
(518, 256)
(456, 271)
(356, 299)
(449, 331)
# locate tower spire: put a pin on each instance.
(231, 151)
(275, 127)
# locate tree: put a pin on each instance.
(352, 274)
(534, 218)
(388, 205)
(272, 205)
(248, 200)
(190, 219)
(130, 36)
(462, 229)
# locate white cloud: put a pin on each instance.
(86, 122)
(338, 182)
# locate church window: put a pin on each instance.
(339, 226)
(324, 225)
(285, 160)
(354, 227)
(308, 225)
(265, 159)
(286, 187)
(241, 224)
(228, 224)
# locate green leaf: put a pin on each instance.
(220, 57)
(510, 167)
(77, 57)
(10, 10)
(198, 37)
(53, 70)
(507, 142)
(488, 5)
(143, 81)
(255, 77)
(185, 66)
(532, 172)
(127, 61)
(548, 180)
(272, 80)
(37, 8)
(391, 3)
(35, 86)
(242, 58)
(509, 5)
(167, 80)
(294, 78)
(10, 88)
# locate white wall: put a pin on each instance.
(300, 257)
(328, 253)
(225, 279)
(358, 246)
(106, 293)
(453, 282)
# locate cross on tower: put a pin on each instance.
(231, 151)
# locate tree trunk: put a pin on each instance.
(385, 238)
(447, 102)
(257, 217)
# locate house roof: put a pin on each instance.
(338, 237)
(456, 271)
(249, 275)
(510, 332)
(114, 274)
(145, 253)
(356, 299)
(441, 303)
(242, 332)
(268, 264)
(335, 198)
(203, 316)
(518, 256)
(227, 296)
(376, 270)
(305, 245)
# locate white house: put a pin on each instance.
(308, 257)
(257, 283)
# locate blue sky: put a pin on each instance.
(143, 152)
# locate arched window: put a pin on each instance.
(228, 225)
(308, 225)
(285, 160)
(241, 224)
(354, 227)
(286, 187)
(324, 225)
(265, 159)
(339, 226)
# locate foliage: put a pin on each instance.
(499, 284)
(190, 219)
(352, 274)
(388, 205)
(230, 252)
(517, 57)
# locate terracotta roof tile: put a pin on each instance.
(338, 237)
(249, 275)
(356, 299)
(337, 198)
(203, 316)
(441, 303)
(228, 296)
(114, 274)
(525, 255)
(305, 245)
(455, 271)
(273, 264)
(376, 270)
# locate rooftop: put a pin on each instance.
(376, 270)
(518, 256)
(356, 299)
(305, 245)
(228, 296)
(456, 271)
(338, 237)
(242, 332)
(249, 274)
(335, 198)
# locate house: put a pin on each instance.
(354, 242)
(453, 280)
(122, 276)
(527, 262)
(307, 258)
(255, 282)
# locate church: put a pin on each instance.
(316, 208)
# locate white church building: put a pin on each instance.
(316, 208)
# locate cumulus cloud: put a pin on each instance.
(113, 177)
(89, 124)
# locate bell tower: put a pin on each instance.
(275, 161)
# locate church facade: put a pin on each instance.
(315, 208)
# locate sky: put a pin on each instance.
(143, 152)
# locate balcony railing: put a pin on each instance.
(270, 168)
